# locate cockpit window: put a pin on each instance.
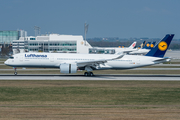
(11, 57)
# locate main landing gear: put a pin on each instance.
(88, 74)
(15, 73)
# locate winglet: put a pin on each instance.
(160, 49)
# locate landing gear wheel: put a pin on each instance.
(91, 74)
(85, 74)
(15, 73)
(88, 74)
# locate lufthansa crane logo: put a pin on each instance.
(162, 46)
(152, 45)
(148, 45)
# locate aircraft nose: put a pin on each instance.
(6, 62)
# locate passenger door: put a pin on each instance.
(21, 58)
(52, 59)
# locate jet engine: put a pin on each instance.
(68, 68)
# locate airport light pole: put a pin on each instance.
(37, 30)
(85, 31)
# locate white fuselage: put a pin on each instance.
(54, 60)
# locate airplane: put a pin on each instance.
(70, 63)
(142, 45)
(143, 50)
(132, 45)
(126, 49)
(119, 49)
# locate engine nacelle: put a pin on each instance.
(68, 68)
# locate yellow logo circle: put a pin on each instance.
(147, 45)
(162, 46)
(82, 43)
(152, 45)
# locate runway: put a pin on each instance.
(96, 77)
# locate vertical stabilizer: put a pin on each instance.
(147, 46)
(160, 49)
(152, 45)
(142, 45)
(132, 45)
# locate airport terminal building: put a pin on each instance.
(51, 43)
(19, 42)
(7, 37)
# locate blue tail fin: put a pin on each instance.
(160, 49)
(152, 45)
(147, 46)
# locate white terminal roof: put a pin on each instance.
(57, 37)
(64, 37)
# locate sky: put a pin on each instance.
(106, 18)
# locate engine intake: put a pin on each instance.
(68, 68)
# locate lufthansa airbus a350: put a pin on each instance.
(70, 63)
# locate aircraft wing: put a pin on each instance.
(97, 62)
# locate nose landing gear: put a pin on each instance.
(15, 73)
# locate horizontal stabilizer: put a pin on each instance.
(165, 59)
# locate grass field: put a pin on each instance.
(90, 100)
(79, 100)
